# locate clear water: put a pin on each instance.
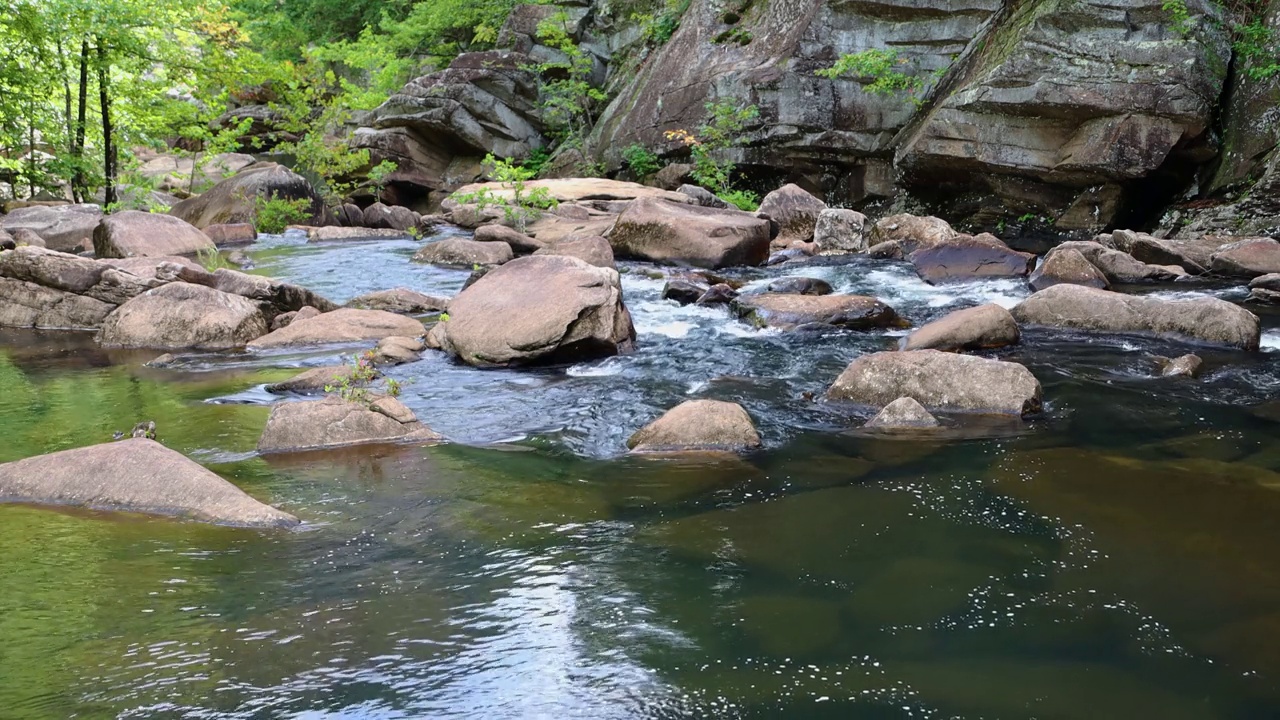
(1113, 558)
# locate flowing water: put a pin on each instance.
(1115, 557)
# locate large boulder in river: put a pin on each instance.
(344, 325)
(1207, 319)
(136, 475)
(909, 232)
(679, 234)
(42, 288)
(537, 309)
(698, 426)
(1120, 268)
(1265, 288)
(839, 231)
(333, 422)
(460, 251)
(66, 228)
(969, 257)
(234, 200)
(795, 211)
(789, 312)
(591, 249)
(978, 328)
(1067, 266)
(940, 381)
(1247, 258)
(184, 316)
(141, 234)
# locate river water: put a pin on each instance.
(1115, 557)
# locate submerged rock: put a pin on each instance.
(460, 251)
(1207, 319)
(1067, 266)
(681, 234)
(795, 211)
(142, 234)
(1184, 366)
(939, 381)
(904, 412)
(344, 325)
(789, 312)
(698, 425)
(537, 309)
(839, 231)
(334, 233)
(799, 286)
(978, 328)
(135, 475)
(333, 422)
(184, 316)
(400, 300)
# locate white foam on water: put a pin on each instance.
(673, 329)
(597, 368)
(1270, 340)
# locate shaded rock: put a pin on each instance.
(1156, 251)
(150, 267)
(702, 196)
(26, 236)
(135, 475)
(231, 234)
(538, 309)
(400, 300)
(181, 315)
(233, 199)
(965, 257)
(285, 318)
(335, 233)
(344, 325)
(581, 189)
(520, 243)
(66, 228)
(349, 215)
(1247, 258)
(274, 296)
(674, 175)
(7, 242)
(57, 270)
(910, 232)
(313, 381)
(698, 425)
(173, 173)
(790, 312)
(680, 234)
(718, 294)
(1184, 366)
(795, 211)
(977, 328)
(591, 249)
(1067, 266)
(30, 305)
(332, 422)
(1208, 320)
(1118, 267)
(798, 286)
(397, 350)
(390, 217)
(683, 291)
(939, 381)
(904, 412)
(459, 251)
(47, 289)
(839, 231)
(1265, 288)
(141, 234)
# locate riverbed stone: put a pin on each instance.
(591, 249)
(26, 236)
(796, 212)
(1207, 319)
(295, 426)
(460, 251)
(977, 328)
(397, 350)
(520, 243)
(230, 234)
(537, 309)
(1247, 258)
(718, 294)
(184, 316)
(66, 228)
(132, 233)
(30, 305)
(344, 325)
(135, 475)
(685, 291)
(702, 196)
(910, 232)
(1120, 267)
(791, 312)
(698, 425)
(335, 233)
(313, 381)
(795, 285)
(839, 231)
(1265, 288)
(968, 257)
(662, 231)
(1066, 265)
(1182, 366)
(905, 412)
(400, 300)
(940, 381)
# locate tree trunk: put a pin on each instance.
(66, 94)
(108, 144)
(77, 149)
(31, 146)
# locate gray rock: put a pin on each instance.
(1067, 266)
(1249, 258)
(26, 236)
(1208, 320)
(295, 426)
(135, 475)
(233, 199)
(1182, 366)
(683, 290)
(698, 426)
(839, 231)
(791, 312)
(904, 412)
(718, 294)
(703, 197)
(274, 296)
(591, 249)
(141, 234)
(1265, 289)
(66, 228)
(400, 300)
(977, 328)
(796, 212)
(967, 257)
(173, 173)
(390, 217)
(1120, 268)
(680, 234)
(349, 215)
(313, 381)
(333, 233)
(29, 305)
(344, 325)
(231, 234)
(459, 251)
(799, 286)
(910, 232)
(940, 381)
(181, 316)
(397, 350)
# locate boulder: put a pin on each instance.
(43, 288)
(335, 233)
(152, 267)
(680, 234)
(285, 318)
(977, 328)
(966, 257)
(390, 217)
(904, 412)
(1207, 319)
(333, 422)
(397, 350)
(1120, 268)
(940, 381)
(1182, 366)
(1067, 266)
(57, 270)
(66, 228)
(135, 475)
(1247, 258)
(233, 200)
(349, 215)
(673, 176)
(702, 196)
(591, 249)
(839, 231)
(459, 251)
(798, 286)
(30, 305)
(698, 426)
(909, 232)
(1265, 288)
(520, 243)
(273, 296)
(795, 211)
(182, 315)
(226, 234)
(580, 190)
(683, 290)
(313, 381)
(400, 300)
(26, 236)
(718, 294)
(1157, 251)
(790, 312)
(141, 234)
(538, 309)
(344, 325)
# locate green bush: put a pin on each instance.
(877, 70)
(742, 199)
(274, 214)
(642, 161)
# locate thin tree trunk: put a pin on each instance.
(108, 145)
(66, 93)
(31, 146)
(77, 150)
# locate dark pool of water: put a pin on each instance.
(1112, 558)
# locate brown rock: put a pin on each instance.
(65, 228)
(1183, 366)
(231, 234)
(312, 381)
(520, 243)
(336, 233)
(839, 231)
(332, 422)
(795, 211)
(1247, 258)
(591, 249)
(459, 251)
(904, 412)
(397, 350)
(978, 328)
(26, 236)
(789, 312)
(1119, 267)
(681, 234)
(940, 381)
(233, 200)
(344, 325)
(1067, 266)
(965, 257)
(400, 300)
(910, 232)
(181, 315)
(698, 425)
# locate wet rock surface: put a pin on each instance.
(295, 426)
(791, 312)
(940, 381)
(698, 425)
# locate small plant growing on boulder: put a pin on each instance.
(742, 199)
(726, 120)
(878, 72)
(642, 161)
(272, 215)
(354, 385)
(210, 259)
(525, 203)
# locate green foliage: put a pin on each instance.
(742, 199)
(379, 173)
(642, 161)
(537, 161)
(210, 259)
(876, 70)
(726, 119)
(353, 386)
(274, 214)
(523, 205)
(659, 28)
(1179, 14)
(1256, 44)
(569, 101)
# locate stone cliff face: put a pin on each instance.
(1086, 114)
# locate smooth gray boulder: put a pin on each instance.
(904, 412)
(295, 426)
(142, 234)
(977, 328)
(1067, 266)
(1248, 258)
(591, 249)
(65, 228)
(181, 316)
(839, 231)
(940, 381)
(698, 426)
(674, 233)
(1207, 319)
(796, 212)
(460, 251)
(520, 243)
(135, 475)
(344, 325)
(969, 257)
